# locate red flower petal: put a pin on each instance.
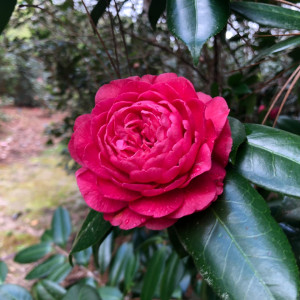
(198, 195)
(158, 206)
(159, 224)
(126, 219)
(223, 146)
(217, 111)
(87, 183)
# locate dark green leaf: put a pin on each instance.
(269, 15)
(99, 10)
(6, 9)
(156, 9)
(94, 229)
(271, 159)
(48, 290)
(171, 277)
(238, 134)
(83, 257)
(47, 236)
(60, 273)
(105, 253)
(153, 274)
(117, 270)
(33, 253)
(3, 271)
(61, 226)
(13, 292)
(278, 47)
(194, 22)
(110, 293)
(177, 246)
(239, 248)
(288, 124)
(46, 267)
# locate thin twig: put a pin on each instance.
(270, 35)
(101, 40)
(279, 94)
(123, 37)
(114, 41)
(286, 96)
(244, 40)
(288, 3)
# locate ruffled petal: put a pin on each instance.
(108, 92)
(198, 195)
(159, 224)
(158, 206)
(217, 110)
(223, 146)
(126, 219)
(87, 183)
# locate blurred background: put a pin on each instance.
(51, 65)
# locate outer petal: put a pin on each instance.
(160, 223)
(87, 183)
(113, 89)
(158, 206)
(198, 195)
(184, 88)
(223, 146)
(126, 219)
(217, 110)
(203, 97)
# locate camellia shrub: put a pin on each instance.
(186, 200)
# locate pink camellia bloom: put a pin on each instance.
(152, 151)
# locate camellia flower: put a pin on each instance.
(152, 151)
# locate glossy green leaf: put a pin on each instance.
(13, 292)
(60, 273)
(156, 9)
(3, 271)
(33, 253)
(155, 269)
(171, 277)
(48, 290)
(110, 293)
(269, 15)
(195, 21)
(99, 10)
(238, 134)
(81, 291)
(117, 269)
(271, 159)
(61, 226)
(105, 253)
(288, 124)
(278, 47)
(239, 248)
(6, 10)
(83, 257)
(46, 267)
(94, 229)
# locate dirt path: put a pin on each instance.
(21, 132)
(32, 184)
